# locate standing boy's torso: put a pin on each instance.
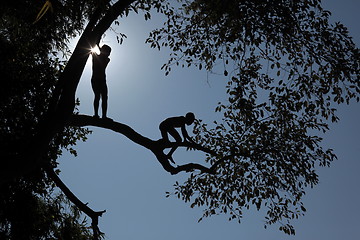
(99, 65)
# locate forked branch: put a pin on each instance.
(155, 146)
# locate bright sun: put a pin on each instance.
(95, 50)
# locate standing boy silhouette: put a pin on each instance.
(98, 80)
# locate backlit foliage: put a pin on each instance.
(287, 68)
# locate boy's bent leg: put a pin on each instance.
(164, 134)
(175, 135)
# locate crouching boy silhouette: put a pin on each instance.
(168, 127)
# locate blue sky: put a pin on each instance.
(115, 174)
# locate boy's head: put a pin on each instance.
(105, 49)
(190, 118)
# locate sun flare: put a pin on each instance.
(95, 50)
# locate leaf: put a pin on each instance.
(303, 208)
(43, 10)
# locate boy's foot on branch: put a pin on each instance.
(107, 118)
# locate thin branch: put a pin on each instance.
(189, 167)
(194, 146)
(82, 206)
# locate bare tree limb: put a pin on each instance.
(82, 206)
(157, 147)
(85, 120)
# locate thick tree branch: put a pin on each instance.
(155, 146)
(84, 120)
(112, 14)
(95, 17)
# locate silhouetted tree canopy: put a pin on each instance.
(287, 68)
(30, 65)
